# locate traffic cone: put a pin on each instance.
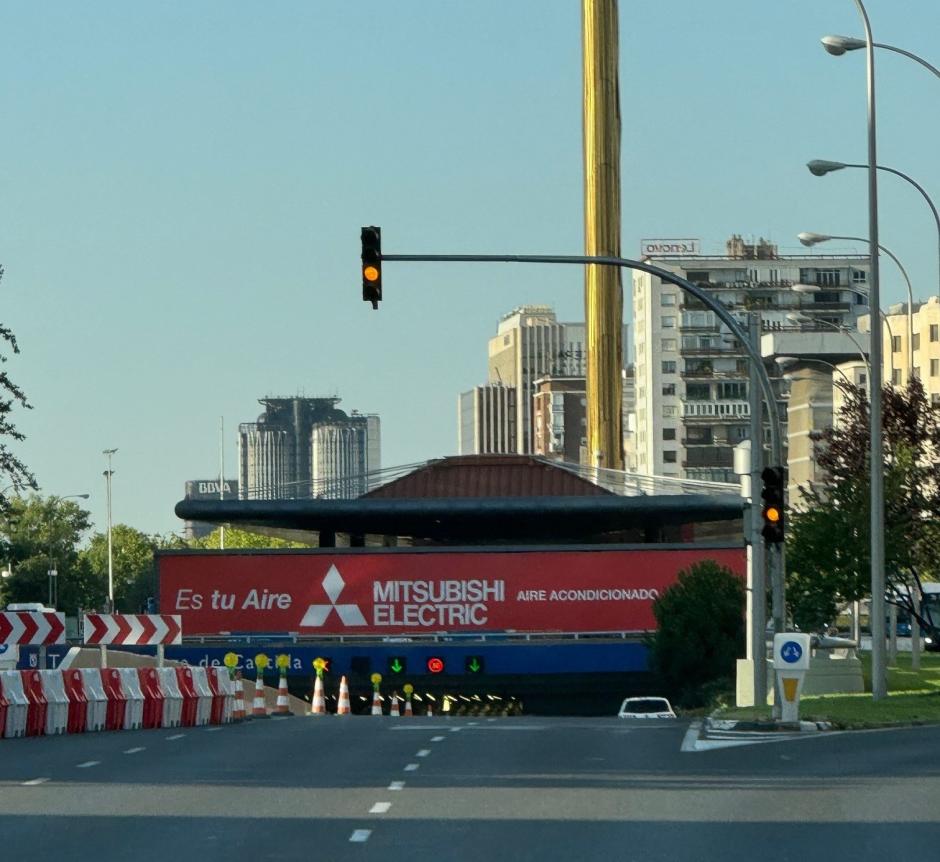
(376, 703)
(394, 709)
(342, 705)
(318, 707)
(408, 706)
(238, 708)
(258, 709)
(430, 711)
(283, 704)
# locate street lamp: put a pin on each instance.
(821, 167)
(53, 572)
(802, 318)
(810, 239)
(784, 361)
(108, 474)
(839, 45)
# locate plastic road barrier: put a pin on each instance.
(134, 711)
(226, 687)
(117, 702)
(78, 703)
(17, 703)
(172, 696)
(184, 676)
(218, 697)
(97, 714)
(204, 694)
(36, 716)
(153, 696)
(57, 702)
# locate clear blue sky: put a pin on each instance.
(182, 185)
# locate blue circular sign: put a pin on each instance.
(791, 652)
(3, 648)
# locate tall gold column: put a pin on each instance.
(603, 295)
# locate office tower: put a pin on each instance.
(486, 420)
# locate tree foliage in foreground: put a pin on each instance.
(700, 632)
(828, 545)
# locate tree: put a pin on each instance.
(11, 467)
(828, 546)
(700, 632)
(42, 534)
(235, 538)
(134, 571)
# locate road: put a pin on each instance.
(522, 788)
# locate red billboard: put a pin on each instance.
(400, 593)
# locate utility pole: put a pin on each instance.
(758, 558)
(108, 474)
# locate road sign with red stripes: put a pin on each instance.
(32, 628)
(133, 629)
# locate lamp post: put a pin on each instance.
(821, 167)
(839, 45)
(53, 572)
(784, 361)
(108, 474)
(810, 239)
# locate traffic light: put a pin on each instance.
(772, 512)
(397, 664)
(372, 265)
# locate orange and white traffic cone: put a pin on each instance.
(318, 707)
(430, 711)
(258, 709)
(376, 703)
(408, 706)
(283, 704)
(342, 705)
(238, 707)
(394, 708)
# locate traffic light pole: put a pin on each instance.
(758, 616)
(775, 557)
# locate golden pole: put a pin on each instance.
(603, 295)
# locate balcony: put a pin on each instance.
(715, 411)
(712, 456)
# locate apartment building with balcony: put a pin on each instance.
(692, 401)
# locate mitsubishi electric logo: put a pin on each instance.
(317, 615)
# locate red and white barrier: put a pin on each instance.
(97, 715)
(172, 696)
(134, 711)
(57, 702)
(132, 629)
(149, 679)
(204, 696)
(222, 697)
(78, 703)
(32, 628)
(17, 703)
(36, 715)
(184, 678)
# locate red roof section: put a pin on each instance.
(489, 476)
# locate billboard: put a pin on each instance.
(670, 247)
(404, 592)
(208, 489)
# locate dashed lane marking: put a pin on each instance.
(424, 752)
(87, 764)
(437, 739)
(33, 782)
(212, 729)
(411, 767)
(397, 785)
(135, 750)
(176, 736)
(380, 807)
(360, 836)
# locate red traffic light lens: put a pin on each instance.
(435, 665)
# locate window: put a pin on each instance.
(916, 341)
(859, 276)
(935, 367)
(669, 389)
(896, 376)
(667, 299)
(669, 433)
(934, 332)
(827, 277)
(862, 379)
(669, 456)
(732, 390)
(669, 345)
(668, 321)
(698, 392)
(935, 399)
(694, 434)
(915, 372)
(895, 344)
(669, 366)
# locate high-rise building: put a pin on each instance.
(486, 420)
(692, 375)
(275, 453)
(559, 418)
(344, 453)
(531, 343)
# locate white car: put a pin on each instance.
(646, 707)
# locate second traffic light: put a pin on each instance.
(372, 265)
(772, 510)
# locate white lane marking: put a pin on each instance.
(397, 785)
(360, 836)
(211, 729)
(380, 807)
(33, 782)
(87, 763)
(135, 750)
(455, 730)
(421, 727)
(411, 767)
(424, 752)
(691, 736)
(437, 739)
(176, 736)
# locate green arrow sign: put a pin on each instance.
(396, 664)
(473, 664)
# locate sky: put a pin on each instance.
(182, 186)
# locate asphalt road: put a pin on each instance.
(522, 788)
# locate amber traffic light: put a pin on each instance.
(772, 511)
(372, 265)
